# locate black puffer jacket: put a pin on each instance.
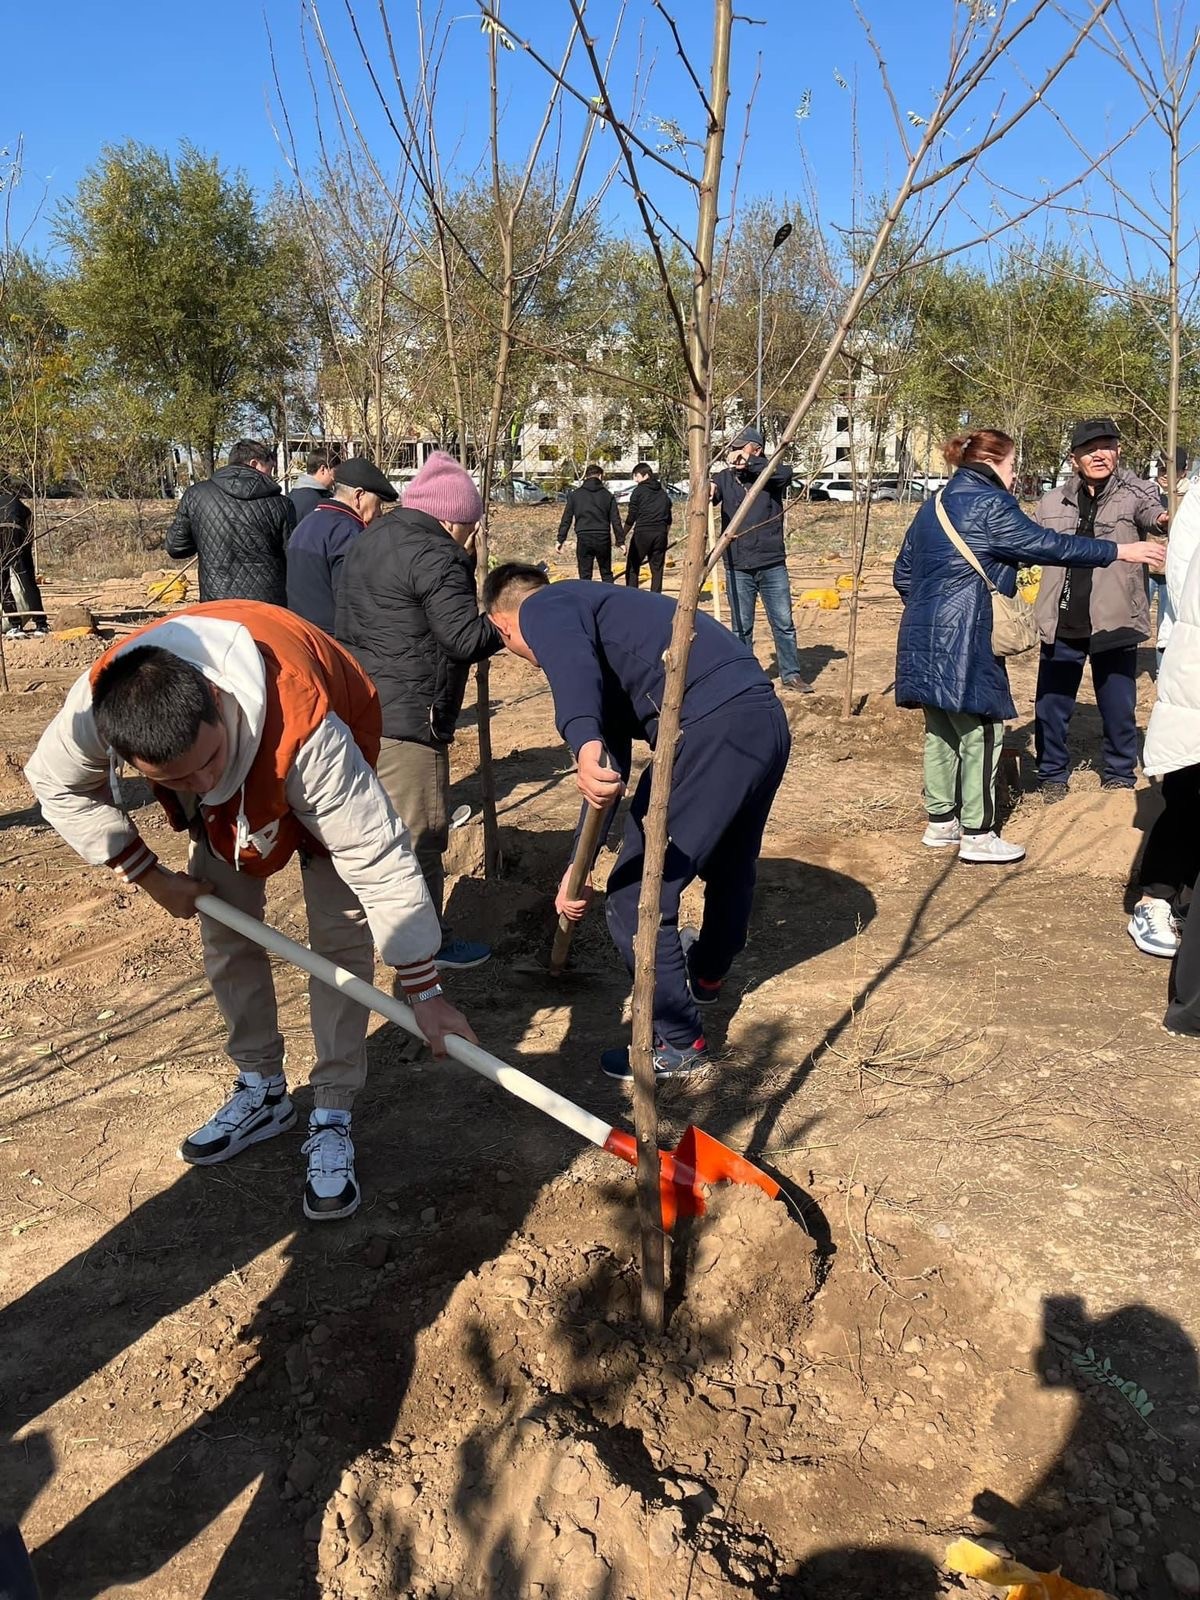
(238, 522)
(594, 512)
(407, 611)
(649, 510)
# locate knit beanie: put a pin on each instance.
(444, 490)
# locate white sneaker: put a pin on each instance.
(332, 1189)
(940, 834)
(989, 849)
(1153, 928)
(258, 1109)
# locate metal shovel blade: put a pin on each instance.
(697, 1158)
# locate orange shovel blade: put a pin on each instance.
(697, 1158)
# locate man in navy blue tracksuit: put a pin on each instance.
(601, 648)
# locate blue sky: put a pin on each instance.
(167, 71)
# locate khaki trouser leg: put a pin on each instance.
(337, 929)
(238, 969)
(416, 779)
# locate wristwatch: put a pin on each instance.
(434, 992)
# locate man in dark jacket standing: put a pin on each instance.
(20, 597)
(237, 522)
(602, 651)
(597, 521)
(314, 484)
(648, 520)
(1099, 616)
(756, 561)
(407, 611)
(318, 547)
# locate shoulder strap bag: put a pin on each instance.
(1014, 629)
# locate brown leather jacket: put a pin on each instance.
(1128, 509)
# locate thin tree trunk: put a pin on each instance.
(1175, 318)
(699, 435)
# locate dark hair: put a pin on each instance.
(150, 705)
(317, 460)
(981, 444)
(508, 584)
(593, 470)
(644, 466)
(247, 450)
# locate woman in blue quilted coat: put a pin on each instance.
(944, 658)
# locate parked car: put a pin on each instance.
(678, 492)
(831, 488)
(903, 490)
(521, 490)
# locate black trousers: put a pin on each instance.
(1171, 859)
(652, 549)
(19, 593)
(600, 556)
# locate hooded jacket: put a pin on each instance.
(302, 723)
(1173, 736)
(306, 494)
(593, 510)
(237, 522)
(944, 650)
(314, 561)
(1127, 508)
(760, 543)
(407, 612)
(649, 511)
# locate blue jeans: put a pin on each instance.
(772, 583)
(1114, 678)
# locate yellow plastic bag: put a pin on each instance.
(845, 583)
(170, 591)
(1021, 1582)
(824, 599)
(1029, 581)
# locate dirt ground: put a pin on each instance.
(959, 1072)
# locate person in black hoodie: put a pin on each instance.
(756, 561)
(406, 610)
(597, 521)
(648, 520)
(20, 597)
(238, 523)
(602, 650)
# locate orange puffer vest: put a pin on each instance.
(308, 676)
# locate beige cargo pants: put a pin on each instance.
(240, 974)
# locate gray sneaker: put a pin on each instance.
(940, 834)
(989, 849)
(1153, 929)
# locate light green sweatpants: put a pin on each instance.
(962, 754)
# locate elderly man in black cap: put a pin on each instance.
(756, 561)
(1093, 615)
(319, 545)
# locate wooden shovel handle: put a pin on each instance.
(581, 865)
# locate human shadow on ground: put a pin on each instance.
(1111, 1505)
(303, 1404)
(863, 1572)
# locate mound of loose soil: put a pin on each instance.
(568, 1456)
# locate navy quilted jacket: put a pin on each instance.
(944, 651)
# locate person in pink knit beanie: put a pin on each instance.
(407, 611)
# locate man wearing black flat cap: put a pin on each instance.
(319, 545)
(1098, 616)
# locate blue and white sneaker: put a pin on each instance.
(457, 955)
(1153, 929)
(258, 1109)
(669, 1061)
(332, 1189)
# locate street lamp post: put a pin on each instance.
(781, 233)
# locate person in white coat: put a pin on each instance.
(1171, 860)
